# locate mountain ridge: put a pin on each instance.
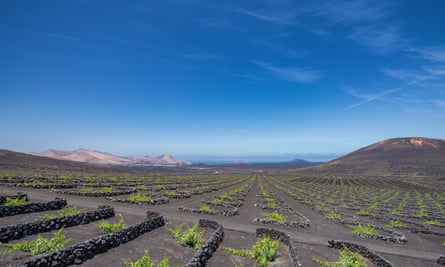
(98, 157)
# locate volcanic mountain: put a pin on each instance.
(84, 155)
(397, 156)
(96, 157)
(160, 160)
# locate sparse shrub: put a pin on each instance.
(347, 258)
(146, 261)
(434, 222)
(332, 215)
(396, 223)
(11, 201)
(141, 187)
(395, 212)
(264, 250)
(86, 190)
(275, 216)
(374, 206)
(34, 184)
(219, 200)
(363, 212)
(225, 195)
(107, 227)
(89, 190)
(188, 238)
(240, 252)
(271, 202)
(170, 193)
(106, 190)
(421, 213)
(364, 230)
(321, 207)
(66, 211)
(205, 207)
(39, 245)
(139, 197)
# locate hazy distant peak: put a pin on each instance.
(97, 157)
(165, 156)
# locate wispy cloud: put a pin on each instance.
(435, 70)
(280, 17)
(354, 11)
(378, 39)
(244, 75)
(202, 56)
(70, 39)
(426, 73)
(439, 103)
(369, 22)
(436, 54)
(371, 97)
(378, 96)
(60, 36)
(405, 75)
(293, 74)
(220, 24)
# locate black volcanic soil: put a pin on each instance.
(421, 250)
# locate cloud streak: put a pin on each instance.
(70, 39)
(371, 97)
(436, 54)
(354, 11)
(379, 96)
(404, 75)
(378, 39)
(279, 17)
(297, 75)
(244, 76)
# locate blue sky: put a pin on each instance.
(220, 79)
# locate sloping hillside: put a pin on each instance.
(15, 162)
(398, 156)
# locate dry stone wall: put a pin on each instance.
(210, 246)
(17, 231)
(285, 238)
(56, 204)
(79, 253)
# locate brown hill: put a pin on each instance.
(97, 157)
(398, 156)
(84, 155)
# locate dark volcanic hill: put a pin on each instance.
(11, 162)
(398, 156)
